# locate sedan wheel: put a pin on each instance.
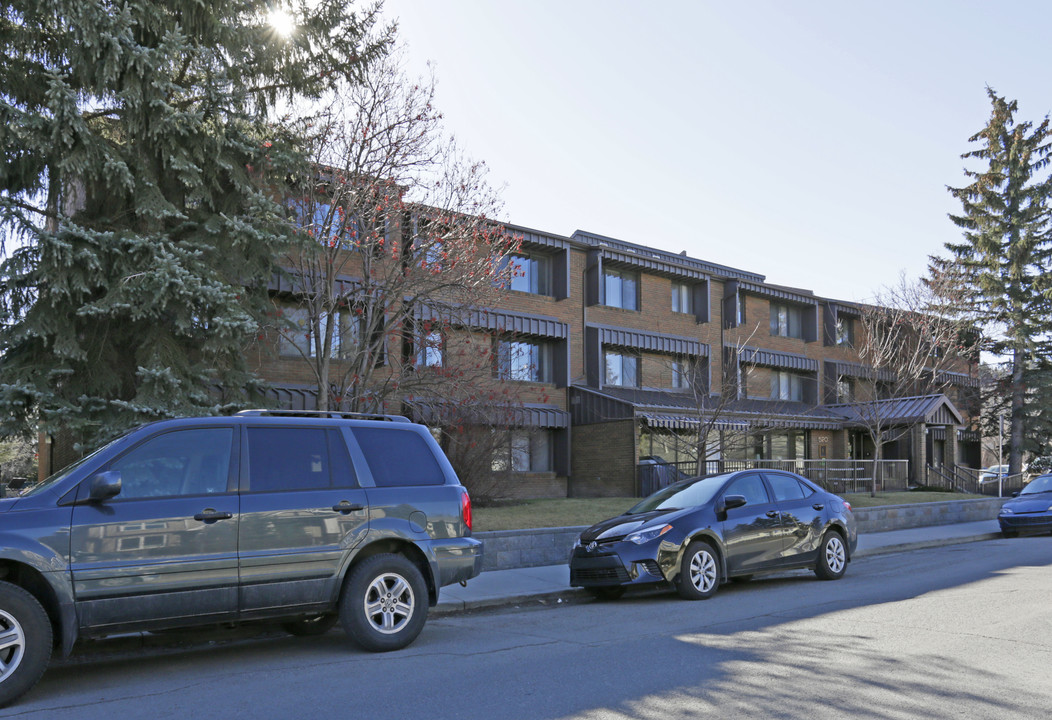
(832, 557)
(384, 605)
(699, 577)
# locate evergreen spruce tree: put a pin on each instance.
(138, 160)
(1004, 257)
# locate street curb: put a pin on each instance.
(923, 544)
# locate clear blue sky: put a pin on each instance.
(810, 141)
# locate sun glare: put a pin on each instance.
(282, 22)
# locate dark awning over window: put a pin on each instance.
(503, 321)
(438, 412)
(857, 370)
(774, 359)
(655, 342)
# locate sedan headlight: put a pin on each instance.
(643, 536)
(1007, 511)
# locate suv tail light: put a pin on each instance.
(465, 507)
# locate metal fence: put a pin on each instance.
(970, 480)
(838, 476)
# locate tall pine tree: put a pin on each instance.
(1004, 257)
(138, 161)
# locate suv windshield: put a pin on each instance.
(64, 472)
(684, 494)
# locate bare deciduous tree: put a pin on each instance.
(394, 222)
(912, 336)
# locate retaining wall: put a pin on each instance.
(507, 549)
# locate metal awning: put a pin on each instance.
(651, 341)
(438, 412)
(774, 359)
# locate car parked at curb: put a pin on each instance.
(1029, 510)
(307, 518)
(698, 533)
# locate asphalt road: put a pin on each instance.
(955, 632)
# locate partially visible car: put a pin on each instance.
(1029, 510)
(993, 473)
(700, 532)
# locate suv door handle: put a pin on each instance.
(772, 513)
(346, 507)
(208, 515)
(818, 506)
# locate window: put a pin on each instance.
(786, 488)
(681, 298)
(621, 369)
(527, 451)
(682, 372)
(845, 390)
(751, 487)
(326, 223)
(787, 386)
(787, 321)
(283, 458)
(622, 289)
(524, 360)
(299, 340)
(431, 352)
(399, 457)
(531, 274)
(185, 462)
(845, 332)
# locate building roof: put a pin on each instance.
(929, 409)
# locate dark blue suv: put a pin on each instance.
(311, 518)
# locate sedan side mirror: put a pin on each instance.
(733, 501)
(103, 486)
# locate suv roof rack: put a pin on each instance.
(339, 415)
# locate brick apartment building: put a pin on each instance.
(630, 349)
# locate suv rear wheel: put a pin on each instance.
(25, 642)
(384, 604)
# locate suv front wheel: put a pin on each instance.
(384, 604)
(25, 642)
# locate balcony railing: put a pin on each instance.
(837, 476)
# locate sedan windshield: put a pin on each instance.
(684, 494)
(1040, 484)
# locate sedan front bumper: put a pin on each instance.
(604, 567)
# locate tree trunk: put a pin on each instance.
(878, 454)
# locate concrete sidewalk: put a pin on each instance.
(550, 584)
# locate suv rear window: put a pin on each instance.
(399, 457)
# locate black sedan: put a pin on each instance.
(700, 532)
(1029, 510)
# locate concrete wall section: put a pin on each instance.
(508, 549)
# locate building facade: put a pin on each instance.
(628, 358)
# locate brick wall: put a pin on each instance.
(604, 460)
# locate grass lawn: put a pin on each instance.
(566, 512)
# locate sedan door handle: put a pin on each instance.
(772, 513)
(345, 507)
(208, 515)
(818, 506)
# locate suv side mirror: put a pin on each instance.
(103, 486)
